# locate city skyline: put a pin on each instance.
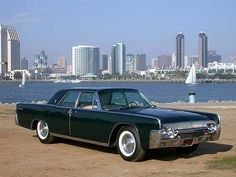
(148, 29)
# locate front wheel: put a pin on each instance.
(44, 133)
(129, 145)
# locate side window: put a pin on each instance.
(134, 99)
(70, 99)
(87, 100)
(118, 99)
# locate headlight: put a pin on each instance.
(212, 127)
(169, 132)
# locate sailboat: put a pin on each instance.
(191, 79)
(23, 80)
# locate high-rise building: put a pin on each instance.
(85, 59)
(164, 61)
(9, 49)
(203, 45)
(140, 62)
(173, 60)
(154, 63)
(40, 61)
(180, 50)
(62, 62)
(24, 64)
(104, 63)
(118, 58)
(193, 59)
(213, 56)
(130, 63)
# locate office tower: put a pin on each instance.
(173, 60)
(62, 62)
(130, 63)
(213, 56)
(140, 62)
(85, 59)
(104, 63)
(164, 61)
(180, 50)
(203, 49)
(118, 58)
(9, 49)
(41, 61)
(24, 64)
(193, 59)
(154, 63)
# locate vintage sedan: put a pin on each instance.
(120, 117)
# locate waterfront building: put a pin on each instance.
(203, 49)
(69, 69)
(85, 59)
(164, 61)
(173, 61)
(193, 59)
(118, 58)
(213, 56)
(24, 64)
(180, 50)
(9, 49)
(40, 65)
(130, 63)
(154, 63)
(104, 62)
(62, 62)
(140, 62)
(40, 61)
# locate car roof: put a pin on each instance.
(99, 88)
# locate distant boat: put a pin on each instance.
(23, 80)
(75, 81)
(191, 79)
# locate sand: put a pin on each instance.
(22, 155)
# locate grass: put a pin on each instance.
(223, 164)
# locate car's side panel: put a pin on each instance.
(99, 125)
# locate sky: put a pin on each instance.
(145, 26)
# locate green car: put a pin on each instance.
(120, 117)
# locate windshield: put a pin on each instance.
(122, 99)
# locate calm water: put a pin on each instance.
(160, 92)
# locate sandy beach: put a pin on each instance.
(22, 155)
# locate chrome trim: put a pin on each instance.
(156, 139)
(80, 139)
(16, 120)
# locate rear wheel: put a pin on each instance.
(44, 133)
(187, 150)
(129, 145)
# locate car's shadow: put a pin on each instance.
(170, 154)
(165, 154)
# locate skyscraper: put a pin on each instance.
(62, 62)
(9, 49)
(118, 58)
(104, 62)
(130, 63)
(140, 62)
(24, 64)
(203, 49)
(164, 61)
(85, 59)
(180, 50)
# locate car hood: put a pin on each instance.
(168, 115)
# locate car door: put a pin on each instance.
(62, 113)
(86, 118)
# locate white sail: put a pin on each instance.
(23, 80)
(191, 79)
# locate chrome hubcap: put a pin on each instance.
(127, 143)
(42, 130)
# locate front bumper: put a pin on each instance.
(184, 137)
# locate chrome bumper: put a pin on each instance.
(16, 120)
(187, 137)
